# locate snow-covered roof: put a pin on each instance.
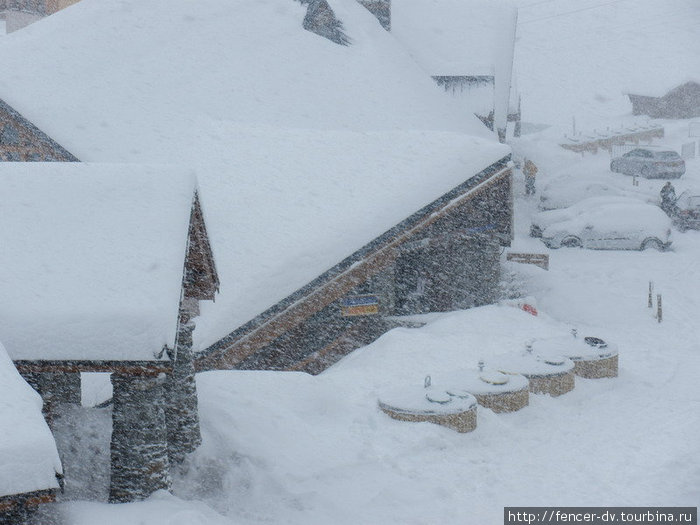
(92, 258)
(283, 206)
(28, 457)
(472, 38)
(456, 37)
(305, 150)
(131, 80)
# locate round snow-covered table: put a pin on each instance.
(492, 389)
(553, 375)
(433, 405)
(593, 358)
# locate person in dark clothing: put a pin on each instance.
(668, 199)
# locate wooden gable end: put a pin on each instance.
(21, 141)
(200, 282)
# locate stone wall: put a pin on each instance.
(21, 141)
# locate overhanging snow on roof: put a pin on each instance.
(29, 460)
(92, 259)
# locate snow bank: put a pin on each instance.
(28, 456)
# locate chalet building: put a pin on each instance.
(466, 46)
(20, 13)
(342, 192)
(679, 103)
(104, 268)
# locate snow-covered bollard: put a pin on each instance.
(492, 389)
(551, 375)
(593, 358)
(431, 405)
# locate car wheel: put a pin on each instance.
(655, 244)
(571, 242)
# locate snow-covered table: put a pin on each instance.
(492, 389)
(593, 357)
(456, 411)
(553, 375)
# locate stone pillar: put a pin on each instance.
(55, 388)
(182, 413)
(139, 453)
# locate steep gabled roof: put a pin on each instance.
(92, 259)
(131, 81)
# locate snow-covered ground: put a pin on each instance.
(292, 448)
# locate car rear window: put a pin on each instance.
(667, 155)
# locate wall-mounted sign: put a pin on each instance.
(359, 305)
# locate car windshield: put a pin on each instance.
(667, 155)
(638, 153)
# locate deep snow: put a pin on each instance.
(291, 448)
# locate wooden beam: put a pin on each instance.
(128, 368)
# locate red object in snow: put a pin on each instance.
(529, 309)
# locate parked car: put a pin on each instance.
(649, 164)
(566, 190)
(687, 215)
(605, 223)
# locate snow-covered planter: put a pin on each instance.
(456, 410)
(593, 357)
(492, 389)
(553, 375)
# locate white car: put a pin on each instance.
(649, 164)
(567, 190)
(605, 223)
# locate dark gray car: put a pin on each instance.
(649, 164)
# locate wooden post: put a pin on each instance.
(651, 290)
(659, 310)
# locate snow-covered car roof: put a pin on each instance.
(28, 457)
(92, 259)
(618, 214)
(582, 207)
